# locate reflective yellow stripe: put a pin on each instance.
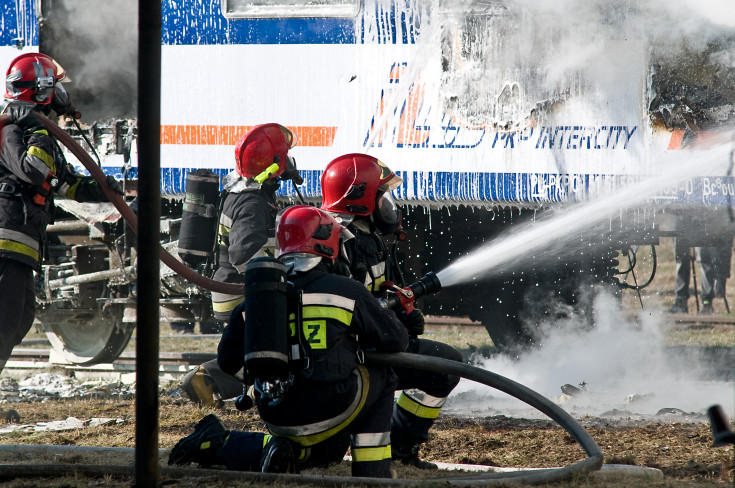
(205, 445)
(375, 285)
(365, 454)
(317, 312)
(47, 159)
(18, 247)
(266, 438)
(41, 131)
(223, 231)
(226, 306)
(412, 406)
(72, 190)
(310, 440)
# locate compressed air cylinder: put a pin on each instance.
(266, 319)
(199, 217)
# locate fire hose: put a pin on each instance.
(592, 463)
(126, 212)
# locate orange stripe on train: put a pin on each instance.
(228, 135)
(677, 136)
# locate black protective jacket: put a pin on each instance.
(32, 170)
(246, 225)
(369, 258)
(340, 318)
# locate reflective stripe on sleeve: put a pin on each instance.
(14, 241)
(223, 232)
(70, 191)
(226, 303)
(44, 157)
(225, 221)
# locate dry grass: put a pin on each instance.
(683, 452)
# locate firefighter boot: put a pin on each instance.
(706, 308)
(679, 306)
(201, 388)
(406, 451)
(278, 456)
(201, 446)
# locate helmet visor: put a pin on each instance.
(388, 179)
(290, 136)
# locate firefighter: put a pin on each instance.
(32, 171)
(333, 393)
(356, 190)
(246, 230)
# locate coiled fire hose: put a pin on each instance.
(127, 214)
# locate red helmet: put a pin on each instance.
(31, 77)
(306, 229)
(350, 183)
(261, 152)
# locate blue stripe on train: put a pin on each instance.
(18, 21)
(200, 22)
(461, 187)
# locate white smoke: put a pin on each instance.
(623, 361)
(97, 43)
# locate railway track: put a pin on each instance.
(173, 363)
(176, 363)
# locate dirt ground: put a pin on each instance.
(682, 451)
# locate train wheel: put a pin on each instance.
(88, 341)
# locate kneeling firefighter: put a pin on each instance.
(356, 190)
(246, 230)
(300, 335)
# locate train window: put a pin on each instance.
(258, 9)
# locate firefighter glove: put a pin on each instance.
(114, 185)
(413, 321)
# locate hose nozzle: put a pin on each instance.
(427, 285)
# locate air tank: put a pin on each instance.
(199, 217)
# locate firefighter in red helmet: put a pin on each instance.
(329, 399)
(32, 171)
(356, 188)
(246, 230)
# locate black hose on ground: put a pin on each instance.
(416, 361)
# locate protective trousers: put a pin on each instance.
(223, 304)
(369, 436)
(715, 262)
(423, 395)
(18, 302)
